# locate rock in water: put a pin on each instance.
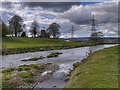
(54, 85)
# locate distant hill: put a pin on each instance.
(85, 39)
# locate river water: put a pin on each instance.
(64, 60)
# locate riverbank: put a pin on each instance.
(99, 70)
(13, 42)
(26, 76)
(9, 51)
(14, 45)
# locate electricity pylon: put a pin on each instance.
(93, 29)
(72, 34)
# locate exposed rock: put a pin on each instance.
(54, 85)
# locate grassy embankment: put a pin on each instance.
(12, 42)
(23, 45)
(99, 70)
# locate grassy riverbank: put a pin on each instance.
(12, 42)
(26, 76)
(13, 45)
(23, 45)
(99, 70)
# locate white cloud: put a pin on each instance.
(78, 16)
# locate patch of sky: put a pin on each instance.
(88, 3)
(17, 3)
(29, 13)
(49, 9)
(48, 17)
(96, 1)
(35, 15)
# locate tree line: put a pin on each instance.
(16, 27)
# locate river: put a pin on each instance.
(64, 60)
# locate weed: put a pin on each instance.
(19, 69)
(26, 68)
(28, 80)
(24, 75)
(8, 70)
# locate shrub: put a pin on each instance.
(6, 85)
(53, 54)
(23, 65)
(4, 50)
(76, 64)
(24, 75)
(8, 70)
(20, 69)
(41, 57)
(34, 66)
(26, 68)
(41, 66)
(24, 60)
(28, 80)
(33, 59)
(58, 53)
(23, 34)
(7, 78)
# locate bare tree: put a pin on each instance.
(34, 28)
(97, 37)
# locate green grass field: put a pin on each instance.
(99, 71)
(12, 42)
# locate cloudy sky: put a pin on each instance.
(66, 14)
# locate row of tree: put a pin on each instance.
(17, 26)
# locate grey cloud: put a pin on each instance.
(6, 16)
(7, 5)
(79, 16)
(55, 6)
(104, 13)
